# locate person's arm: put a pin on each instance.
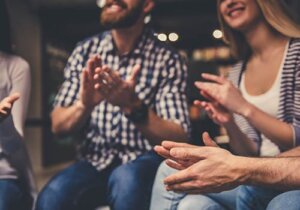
(239, 142)
(21, 83)
(173, 120)
(217, 170)
(70, 118)
(226, 94)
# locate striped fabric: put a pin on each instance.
(289, 104)
(109, 135)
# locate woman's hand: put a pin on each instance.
(219, 114)
(225, 93)
(6, 105)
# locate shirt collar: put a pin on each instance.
(139, 47)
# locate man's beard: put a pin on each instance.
(124, 20)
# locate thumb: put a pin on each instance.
(12, 98)
(84, 77)
(208, 141)
(134, 73)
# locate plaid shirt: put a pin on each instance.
(161, 85)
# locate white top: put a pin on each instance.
(14, 77)
(269, 103)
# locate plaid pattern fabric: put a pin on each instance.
(161, 85)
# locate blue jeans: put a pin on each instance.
(287, 200)
(12, 196)
(260, 198)
(167, 200)
(82, 187)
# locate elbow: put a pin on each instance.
(56, 129)
(60, 129)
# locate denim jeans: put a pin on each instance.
(260, 198)
(82, 187)
(287, 200)
(168, 200)
(12, 196)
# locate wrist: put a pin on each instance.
(247, 111)
(83, 107)
(242, 170)
(137, 113)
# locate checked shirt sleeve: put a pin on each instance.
(171, 100)
(69, 91)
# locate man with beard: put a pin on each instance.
(125, 98)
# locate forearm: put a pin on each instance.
(279, 132)
(278, 173)
(156, 129)
(239, 142)
(66, 120)
(295, 152)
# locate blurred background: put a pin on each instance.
(44, 32)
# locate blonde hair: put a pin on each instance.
(274, 15)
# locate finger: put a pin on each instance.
(214, 78)
(178, 177)
(116, 79)
(180, 164)
(134, 73)
(172, 144)
(186, 186)
(197, 153)
(12, 98)
(91, 66)
(84, 77)
(162, 151)
(208, 141)
(106, 80)
(3, 112)
(174, 164)
(201, 104)
(98, 61)
(104, 90)
(207, 96)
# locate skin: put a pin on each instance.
(100, 83)
(6, 105)
(211, 169)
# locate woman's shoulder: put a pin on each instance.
(14, 62)
(295, 44)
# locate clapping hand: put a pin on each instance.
(6, 105)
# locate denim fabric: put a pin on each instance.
(12, 196)
(287, 200)
(252, 197)
(82, 187)
(168, 200)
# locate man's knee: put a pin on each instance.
(285, 200)
(194, 202)
(52, 196)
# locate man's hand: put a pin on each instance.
(89, 97)
(181, 163)
(214, 170)
(6, 105)
(115, 90)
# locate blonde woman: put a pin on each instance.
(263, 92)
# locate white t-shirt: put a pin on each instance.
(269, 103)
